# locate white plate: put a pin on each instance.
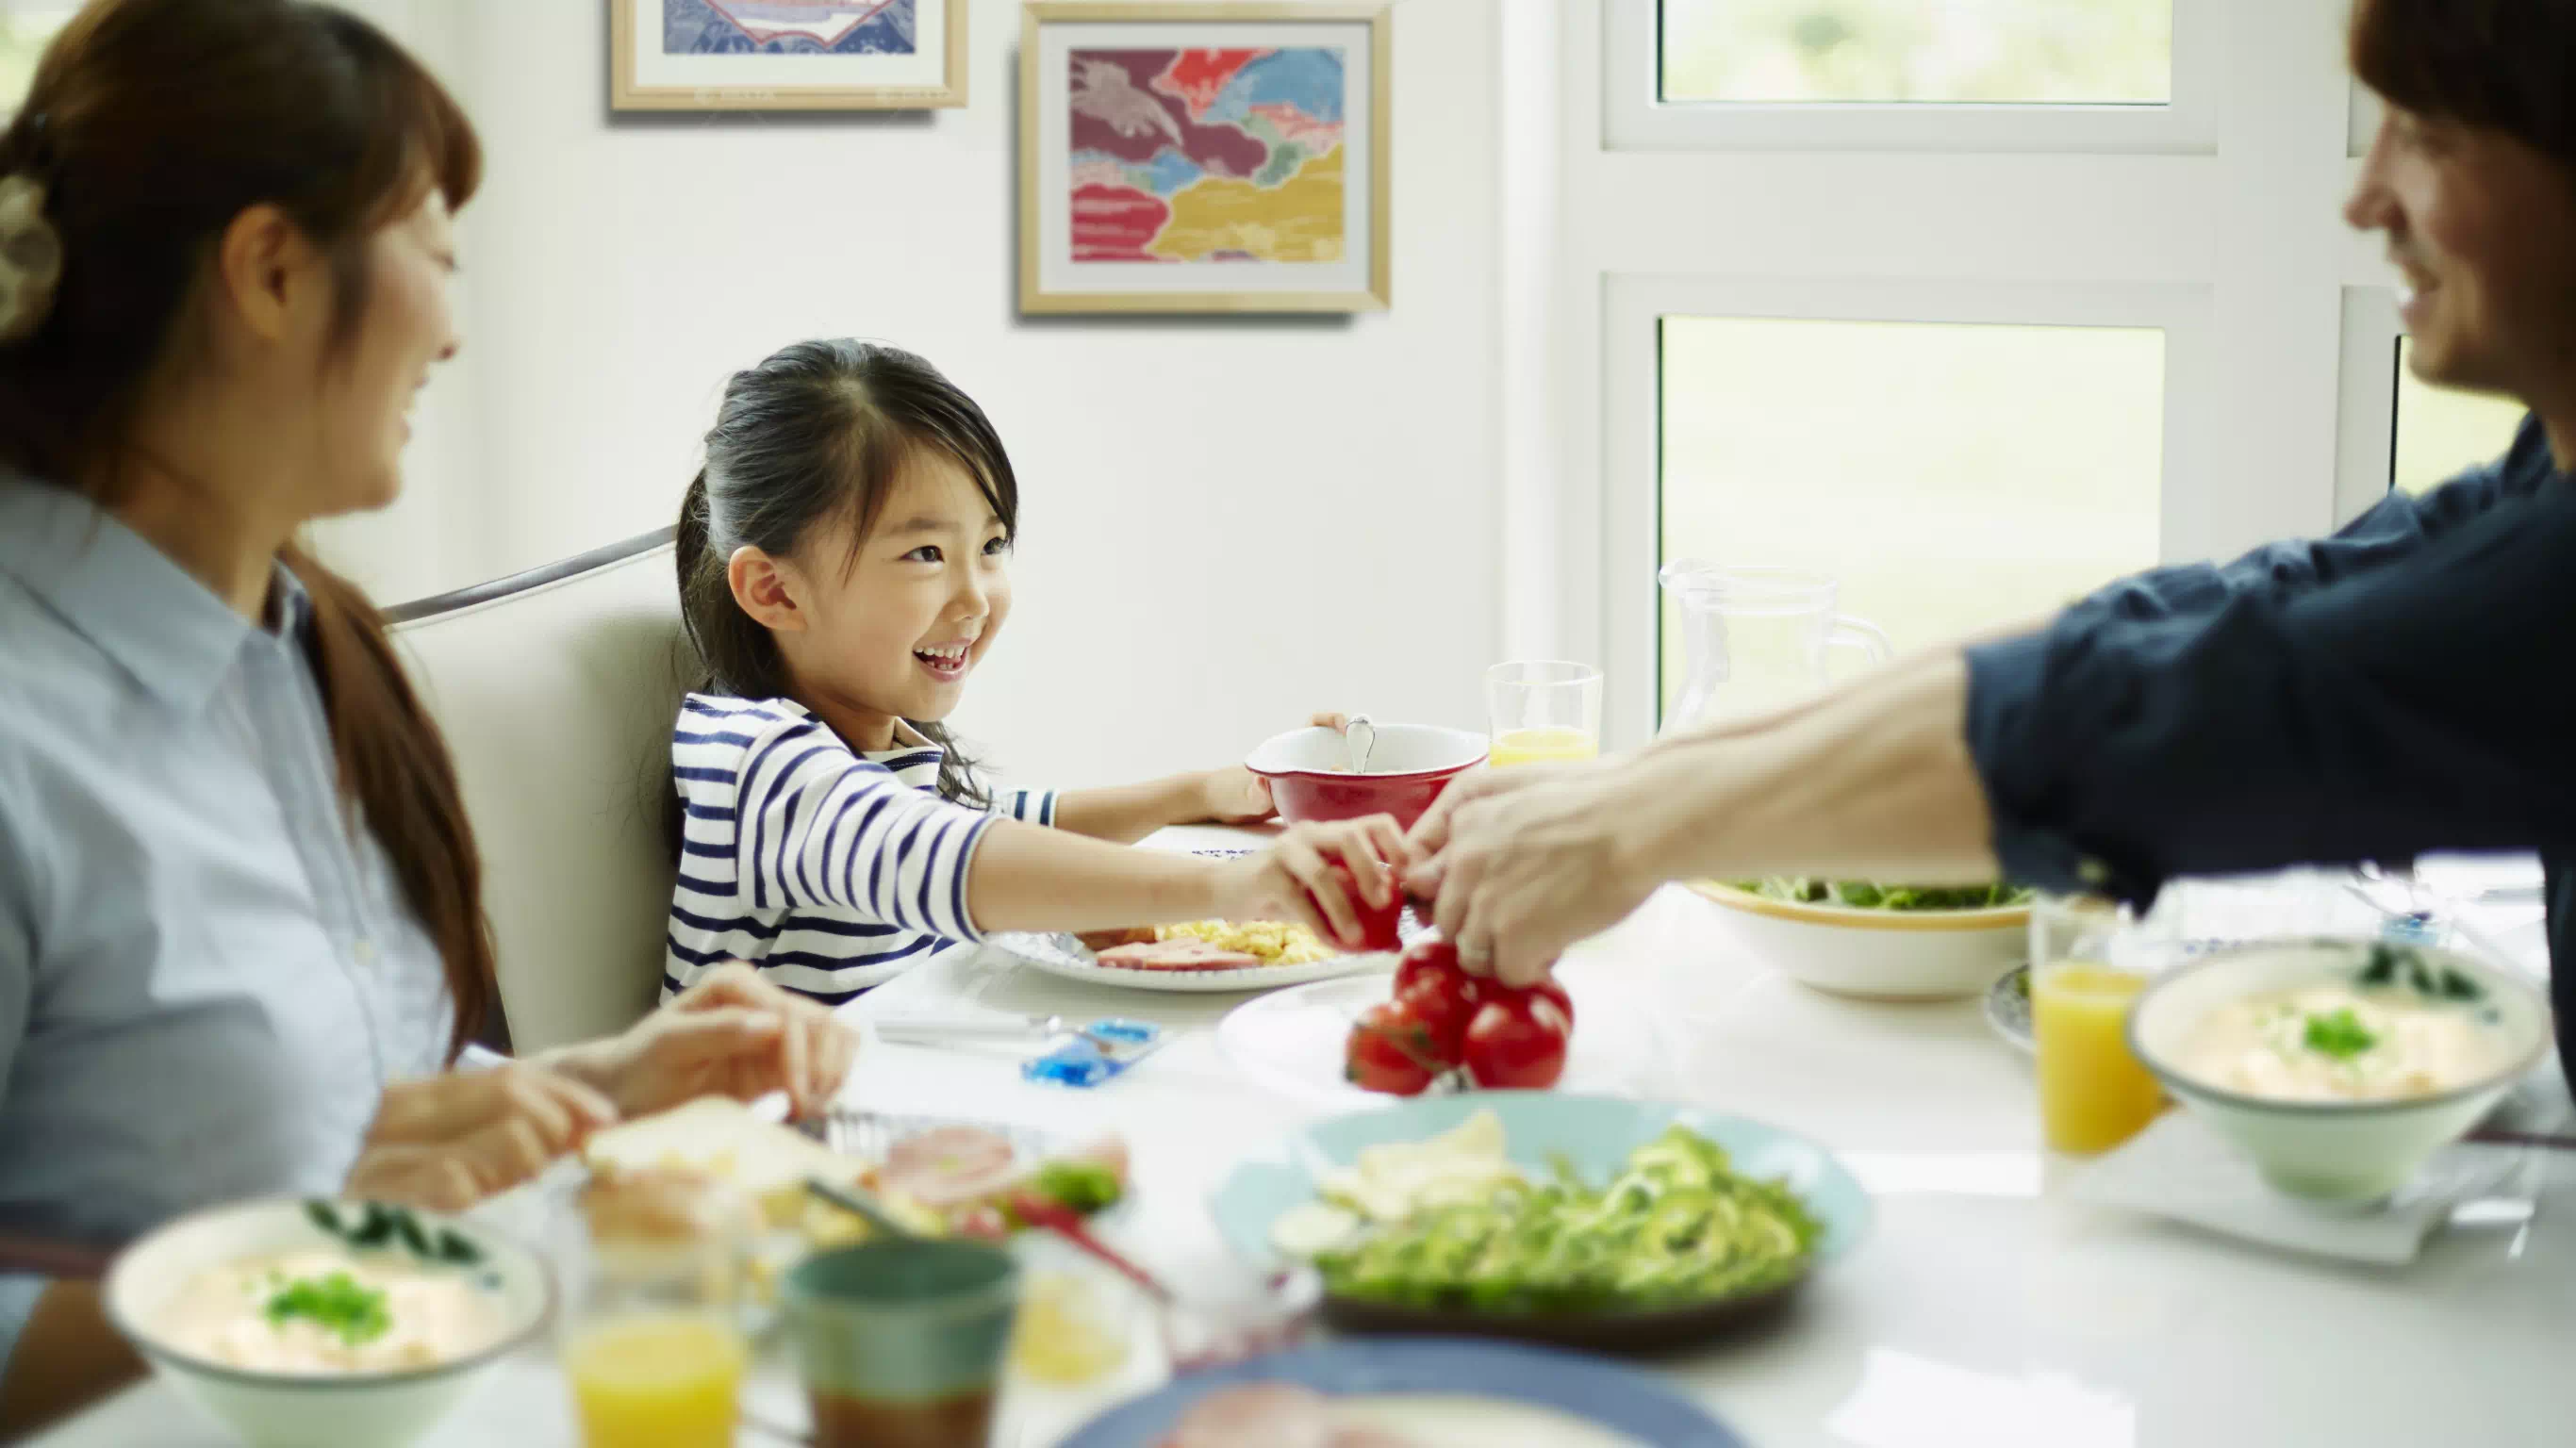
(1065, 956)
(1292, 1042)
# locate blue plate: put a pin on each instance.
(1619, 1399)
(1595, 1133)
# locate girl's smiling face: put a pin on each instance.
(891, 630)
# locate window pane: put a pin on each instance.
(2440, 432)
(1986, 51)
(1952, 476)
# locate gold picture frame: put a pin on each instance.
(715, 82)
(1364, 287)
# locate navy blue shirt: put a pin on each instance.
(2406, 686)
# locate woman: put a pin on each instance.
(238, 894)
(2401, 688)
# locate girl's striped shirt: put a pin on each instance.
(829, 869)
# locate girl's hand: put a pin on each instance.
(1234, 796)
(1237, 796)
(730, 1034)
(1288, 880)
(446, 1142)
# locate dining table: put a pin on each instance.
(1987, 1305)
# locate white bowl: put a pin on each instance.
(1897, 955)
(310, 1410)
(2349, 1152)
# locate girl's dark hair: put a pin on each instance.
(2499, 65)
(151, 125)
(820, 431)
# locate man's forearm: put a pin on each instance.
(1873, 781)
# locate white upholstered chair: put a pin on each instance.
(556, 689)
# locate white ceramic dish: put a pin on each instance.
(312, 1410)
(1063, 955)
(1878, 954)
(2347, 1152)
(1293, 1042)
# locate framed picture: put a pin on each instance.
(786, 55)
(1203, 157)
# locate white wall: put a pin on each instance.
(1226, 523)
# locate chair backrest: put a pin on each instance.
(556, 689)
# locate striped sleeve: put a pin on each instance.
(1028, 806)
(821, 827)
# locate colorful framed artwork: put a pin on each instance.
(786, 55)
(1203, 157)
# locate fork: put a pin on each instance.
(933, 1031)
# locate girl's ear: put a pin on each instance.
(765, 588)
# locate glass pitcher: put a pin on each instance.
(1757, 638)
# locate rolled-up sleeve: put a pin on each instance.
(2420, 705)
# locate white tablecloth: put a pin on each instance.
(1986, 1308)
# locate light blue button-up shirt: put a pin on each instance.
(207, 974)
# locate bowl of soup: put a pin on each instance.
(2340, 1066)
(1311, 778)
(319, 1324)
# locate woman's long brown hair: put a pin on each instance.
(151, 125)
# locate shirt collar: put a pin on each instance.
(147, 614)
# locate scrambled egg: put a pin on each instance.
(1394, 1181)
(1276, 942)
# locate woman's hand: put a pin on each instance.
(1526, 861)
(1277, 883)
(446, 1142)
(730, 1034)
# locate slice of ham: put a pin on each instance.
(1256, 1415)
(1177, 955)
(951, 1165)
(1111, 939)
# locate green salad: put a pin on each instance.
(1676, 1225)
(1861, 895)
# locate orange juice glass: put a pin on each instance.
(1542, 711)
(2093, 1094)
(653, 1344)
(656, 1380)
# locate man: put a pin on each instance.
(2407, 686)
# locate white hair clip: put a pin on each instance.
(31, 258)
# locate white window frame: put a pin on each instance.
(2366, 417)
(2187, 123)
(1637, 306)
(1636, 224)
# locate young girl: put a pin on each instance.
(844, 565)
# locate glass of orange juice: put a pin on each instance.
(653, 1344)
(1543, 710)
(2093, 1094)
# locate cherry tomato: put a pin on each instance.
(1389, 1051)
(1432, 958)
(1379, 924)
(1443, 1014)
(1441, 995)
(1548, 987)
(1517, 1042)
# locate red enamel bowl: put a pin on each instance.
(1309, 776)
